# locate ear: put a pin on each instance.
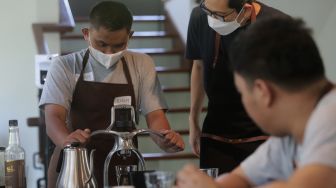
(85, 32)
(249, 12)
(131, 34)
(264, 92)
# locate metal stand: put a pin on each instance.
(124, 142)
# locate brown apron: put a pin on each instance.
(91, 108)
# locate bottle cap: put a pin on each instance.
(13, 122)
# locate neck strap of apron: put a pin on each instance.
(84, 62)
(125, 68)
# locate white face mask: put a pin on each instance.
(224, 28)
(107, 60)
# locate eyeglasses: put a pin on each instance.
(215, 14)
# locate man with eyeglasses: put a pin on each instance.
(228, 135)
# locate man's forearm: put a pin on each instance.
(57, 131)
(157, 121)
(55, 125)
(197, 92)
(235, 179)
(276, 184)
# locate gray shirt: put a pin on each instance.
(65, 70)
(275, 159)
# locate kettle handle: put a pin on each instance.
(91, 166)
(59, 162)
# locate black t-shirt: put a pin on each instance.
(226, 115)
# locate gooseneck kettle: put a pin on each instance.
(76, 171)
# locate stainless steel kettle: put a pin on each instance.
(76, 171)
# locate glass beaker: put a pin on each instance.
(159, 179)
(212, 172)
(122, 173)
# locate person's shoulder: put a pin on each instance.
(330, 98)
(137, 55)
(70, 61)
(327, 105)
(196, 14)
(71, 58)
(138, 59)
(267, 11)
(196, 11)
(323, 119)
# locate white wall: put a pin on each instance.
(327, 43)
(18, 94)
(180, 10)
(319, 15)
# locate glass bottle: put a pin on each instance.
(2, 167)
(14, 159)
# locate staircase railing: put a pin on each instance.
(66, 23)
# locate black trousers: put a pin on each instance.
(225, 156)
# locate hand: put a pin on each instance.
(192, 177)
(194, 137)
(173, 141)
(81, 136)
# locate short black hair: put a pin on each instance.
(278, 49)
(238, 4)
(111, 15)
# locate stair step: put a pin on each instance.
(149, 51)
(158, 51)
(178, 99)
(138, 34)
(176, 89)
(138, 18)
(181, 132)
(73, 44)
(168, 60)
(181, 110)
(177, 121)
(172, 70)
(175, 78)
(137, 26)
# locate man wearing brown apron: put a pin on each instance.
(82, 87)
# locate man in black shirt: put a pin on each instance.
(228, 135)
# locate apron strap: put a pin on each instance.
(216, 47)
(130, 84)
(85, 60)
(127, 73)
